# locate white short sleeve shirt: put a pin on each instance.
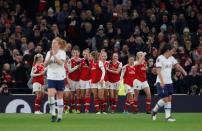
(165, 65)
(56, 71)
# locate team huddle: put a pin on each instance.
(71, 82)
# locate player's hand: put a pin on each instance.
(51, 53)
(43, 72)
(185, 73)
(162, 84)
(102, 81)
(54, 52)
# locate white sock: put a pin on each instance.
(60, 105)
(52, 105)
(159, 104)
(167, 109)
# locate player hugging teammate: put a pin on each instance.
(77, 80)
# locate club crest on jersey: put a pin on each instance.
(168, 66)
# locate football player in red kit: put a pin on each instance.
(37, 73)
(128, 75)
(141, 82)
(85, 76)
(105, 91)
(114, 80)
(67, 92)
(73, 66)
(97, 79)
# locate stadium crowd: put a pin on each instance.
(122, 26)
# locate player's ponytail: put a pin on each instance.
(166, 47)
(36, 58)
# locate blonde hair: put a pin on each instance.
(61, 42)
(36, 58)
(140, 53)
(86, 50)
(95, 55)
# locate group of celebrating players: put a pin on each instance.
(71, 82)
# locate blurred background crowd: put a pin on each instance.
(124, 26)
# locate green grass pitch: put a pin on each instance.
(93, 122)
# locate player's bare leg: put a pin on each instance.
(148, 100)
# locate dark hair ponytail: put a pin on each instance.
(166, 47)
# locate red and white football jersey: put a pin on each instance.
(85, 70)
(75, 75)
(38, 69)
(106, 65)
(113, 77)
(129, 75)
(141, 72)
(96, 72)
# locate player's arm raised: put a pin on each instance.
(123, 72)
(58, 61)
(101, 65)
(140, 60)
(69, 67)
(48, 59)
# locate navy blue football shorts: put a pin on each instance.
(59, 85)
(166, 91)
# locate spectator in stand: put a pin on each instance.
(97, 40)
(7, 75)
(4, 89)
(61, 17)
(151, 75)
(197, 54)
(194, 82)
(179, 83)
(184, 58)
(20, 75)
(124, 54)
(141, 25)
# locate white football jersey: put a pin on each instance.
(165, 65)
(56, 71)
